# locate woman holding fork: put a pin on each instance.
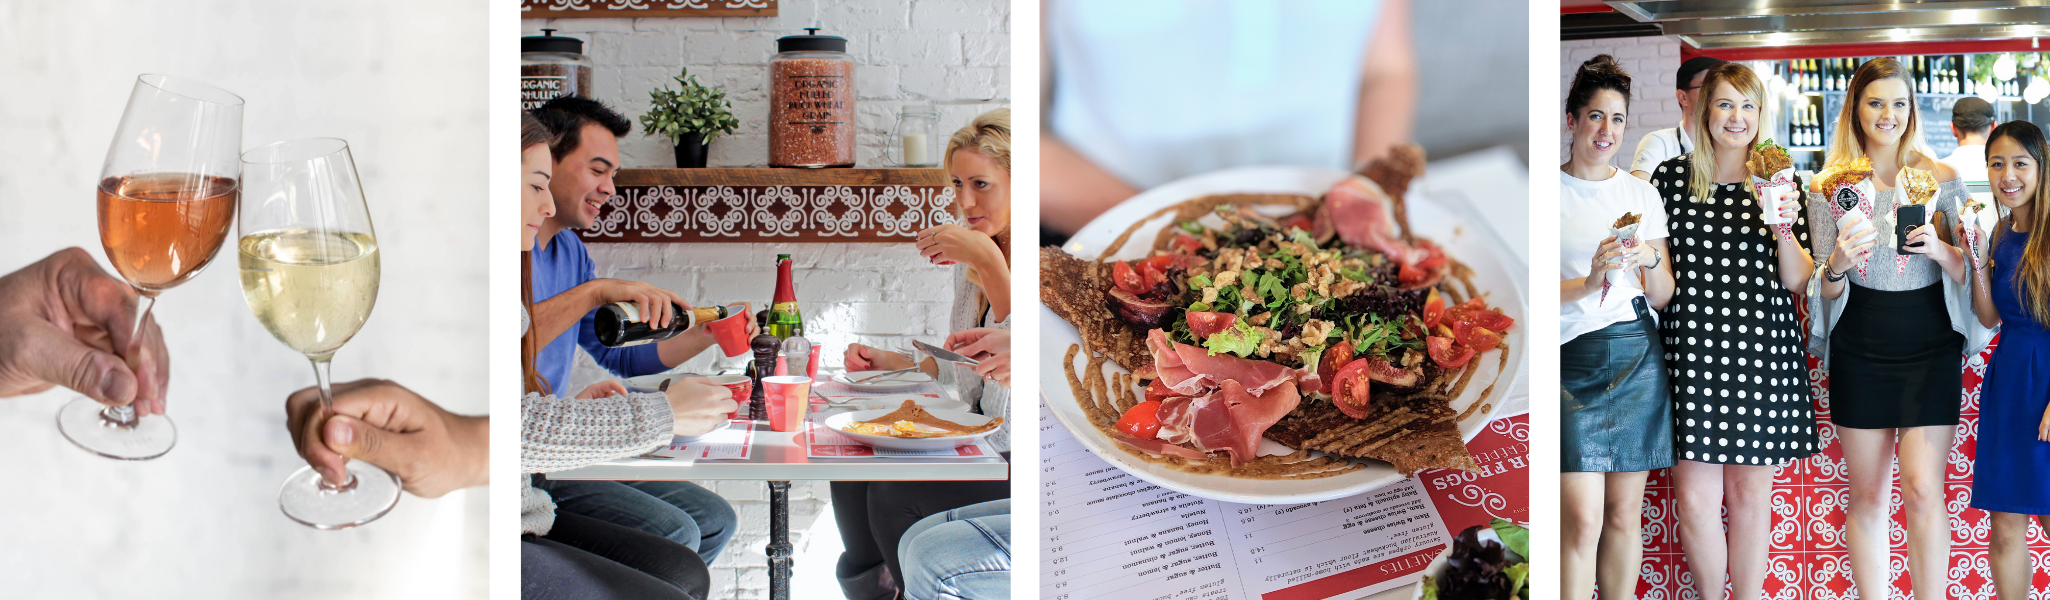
(873, 516)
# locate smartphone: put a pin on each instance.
(1905, 220)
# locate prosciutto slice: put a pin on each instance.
(1192, 371)
(1364, 217)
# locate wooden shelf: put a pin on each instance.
(759, 177)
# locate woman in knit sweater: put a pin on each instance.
(573, 556)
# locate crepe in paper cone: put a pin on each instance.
(1625, 232)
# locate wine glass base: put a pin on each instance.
(306, 499)
(149, 437)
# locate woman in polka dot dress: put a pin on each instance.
(1741, 403)
(1891, 336)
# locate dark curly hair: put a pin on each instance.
(566, 117)
(1597, 74)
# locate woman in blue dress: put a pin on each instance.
(2011, 290)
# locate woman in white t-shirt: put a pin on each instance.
(1614, 409)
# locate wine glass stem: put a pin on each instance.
(124, 415)
(327, 400)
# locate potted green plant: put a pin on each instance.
(692, 118)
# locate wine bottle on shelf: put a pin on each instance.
(621, 324)
(785, 321)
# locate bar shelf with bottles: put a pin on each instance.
(1814, 93)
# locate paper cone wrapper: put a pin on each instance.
(1771, 188)
(1857, 197)
(1626, 236)
(1970, 219)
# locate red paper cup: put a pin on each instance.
(742, 387)
(812, 368)
(789, 398)
(731, 332)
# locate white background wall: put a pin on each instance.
(1651, 62)
(403, 82)
(921, 51)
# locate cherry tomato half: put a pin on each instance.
(1434, 309)
(1447, 353)
(1142, 421)
(1126, 279)
(1205, 324)
(1158, 391)
(1335, 358)
(1349, 390)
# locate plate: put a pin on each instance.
(888, 384)
(838, 423)
(1458, 229)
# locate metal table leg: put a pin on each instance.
(780, 549)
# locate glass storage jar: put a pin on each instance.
(917, 136)
(811, 102)
(552, 66)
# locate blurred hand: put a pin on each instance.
(865, 358)
(699, 404)
(950, 243)
(433, 451)
(63, 321)
(991, 348)
(654, 303)
(602, 389)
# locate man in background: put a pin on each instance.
(1971, 119)
(1664, 144)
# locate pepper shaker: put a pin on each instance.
(764, 346)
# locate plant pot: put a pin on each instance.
(691, 151)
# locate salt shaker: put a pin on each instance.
(797, 355)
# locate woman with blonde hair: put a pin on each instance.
(1891, 333)
(874, 516)
(2011, 290)
(1740, 394)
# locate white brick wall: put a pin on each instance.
(945, 51)
(1651, 62)
(403, 82)
(877, 294)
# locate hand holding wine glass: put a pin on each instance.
(63, 321)
(381, 422)
(310, 274)
(166, 197)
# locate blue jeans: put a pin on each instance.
(962, 553)
(679, 510)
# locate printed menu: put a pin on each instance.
(1107, 534)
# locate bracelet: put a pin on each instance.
(1833, 276)
(1660, 259)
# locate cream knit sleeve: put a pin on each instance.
(558, 433)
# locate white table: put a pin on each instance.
(777, 458)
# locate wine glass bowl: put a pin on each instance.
(166, 197)
(309, 270)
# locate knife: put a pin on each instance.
(942, 353)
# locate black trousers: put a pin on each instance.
(586, 558)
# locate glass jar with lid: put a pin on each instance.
(811, 102)
(917, 136)
(551, 67)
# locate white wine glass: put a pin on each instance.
(310, 272)
(166, 198)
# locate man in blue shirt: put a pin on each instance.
(567, 294)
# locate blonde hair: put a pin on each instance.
(1848, 143)
(989, 135)
(1702, 180)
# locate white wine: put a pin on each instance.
(311, 289)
